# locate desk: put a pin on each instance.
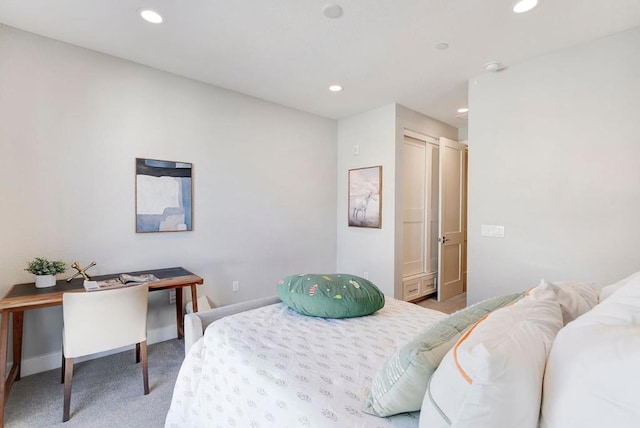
(22, 297)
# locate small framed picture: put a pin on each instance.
(163, 196)
(365, 197)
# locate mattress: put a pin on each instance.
(272, 367)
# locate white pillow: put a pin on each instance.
(399, 385)
(593, 370)
(493, 376)
(203, 305)
(575, 298)
(610, 289)
(589, 291)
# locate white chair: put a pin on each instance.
(99, 321)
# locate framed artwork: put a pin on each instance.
(163, 196)
(365, 197)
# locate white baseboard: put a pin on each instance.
(42, 363)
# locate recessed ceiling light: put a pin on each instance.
(332, 10)
(463, 110)
(335, 88)
(151, 16)
(442, 46)
(523, 6)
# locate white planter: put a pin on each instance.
(43, 281)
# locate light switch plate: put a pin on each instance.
(492, 231)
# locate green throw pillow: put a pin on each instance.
(400, 385)
(330, 295)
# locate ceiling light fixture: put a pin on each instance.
(523, 6)
(493, 66)
(442, 46)
(335, 88)
(151, 16)
(332, 10)
(463, 110)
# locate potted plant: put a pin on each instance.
(45, 271)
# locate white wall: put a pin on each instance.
(554, 149)
(72, 123)
(379, 134)
(363, 249)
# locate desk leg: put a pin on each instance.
(18, 323)
(4, 345)
(194, 297)
(179, 319)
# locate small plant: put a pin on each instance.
(42, 266)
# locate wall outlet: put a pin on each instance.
(172, 297)
(236, 285)
(366, 275)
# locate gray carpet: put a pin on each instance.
(107, 392)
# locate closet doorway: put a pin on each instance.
(434, 217)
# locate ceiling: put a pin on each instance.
(288, 52)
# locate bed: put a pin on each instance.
(562, 355)
(271, 366)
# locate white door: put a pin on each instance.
(420, 205)
(451, 219)
(413, 218)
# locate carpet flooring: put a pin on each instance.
(107, 392)
(448, 306)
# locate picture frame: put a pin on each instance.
(365, 197)
(164, 201)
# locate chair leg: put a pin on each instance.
(145, 366)
(62, 369)
(68, 375)
(137, 353)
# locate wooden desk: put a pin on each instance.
(22, 297)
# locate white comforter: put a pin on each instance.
(272, 367)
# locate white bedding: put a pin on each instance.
(272, 367)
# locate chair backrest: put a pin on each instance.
(98, 321)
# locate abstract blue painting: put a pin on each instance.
(163, 196)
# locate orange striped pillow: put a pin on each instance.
(493, 375)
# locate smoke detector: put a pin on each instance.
(493, 66)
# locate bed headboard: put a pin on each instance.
(196, 323)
